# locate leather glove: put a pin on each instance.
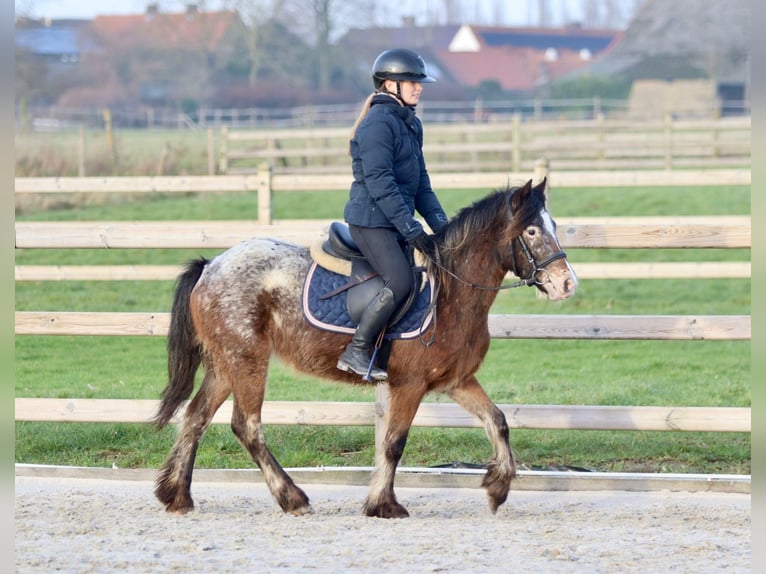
(426, 245)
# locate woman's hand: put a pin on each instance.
(426, 245)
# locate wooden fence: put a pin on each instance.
(598, 144)
(700, 232)
(725, 232)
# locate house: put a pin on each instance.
(55, 42)
(683, 57)
(48, 56)
(520, 60)
(158, 57)
(465, 58)
(154, 58)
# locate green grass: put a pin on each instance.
(137, 152)
(683, 373)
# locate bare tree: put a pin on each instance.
(609, 13)
(328, 20)
(323, 24)
(543, 14)
(256, 14)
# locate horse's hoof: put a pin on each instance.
(303, 511)
(179, 509)
(497, 482)
(394, 510)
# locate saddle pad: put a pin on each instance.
(331, 315)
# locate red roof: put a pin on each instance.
(516, 69)
(520, 66)
(164, 31)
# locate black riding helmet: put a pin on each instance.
(399, 64)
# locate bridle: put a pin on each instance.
(530, 280)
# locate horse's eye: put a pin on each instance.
(531, 231)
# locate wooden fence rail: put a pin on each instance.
(650, 270)
(613, 233)
(279, 182)
(727, 232)
(605, 327)
(596, 144)
(266, 183)
(552, 417)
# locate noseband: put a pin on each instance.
(530, 279)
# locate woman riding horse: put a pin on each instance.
(390, 184)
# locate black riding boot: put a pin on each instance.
(356, 356)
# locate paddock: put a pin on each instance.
(92, 524)
(673, 232)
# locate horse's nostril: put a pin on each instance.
(569, 285)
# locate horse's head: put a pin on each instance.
(535, 254)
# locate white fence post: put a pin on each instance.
(264, 194)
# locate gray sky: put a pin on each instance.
(492, 12)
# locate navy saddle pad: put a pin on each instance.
(331, 313)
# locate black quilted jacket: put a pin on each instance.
(390, 178)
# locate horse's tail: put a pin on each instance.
(184, 351)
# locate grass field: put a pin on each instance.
(134, 152)
(683, 373)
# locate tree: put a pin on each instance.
(329, 19)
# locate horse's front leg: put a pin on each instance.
(501, 469)
(403, 404)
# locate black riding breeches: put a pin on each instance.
(386, 254)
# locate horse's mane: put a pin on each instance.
(487, 217)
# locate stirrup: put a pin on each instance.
(371, 373)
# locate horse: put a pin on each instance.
(233, 312)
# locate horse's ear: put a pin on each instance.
(542, 188)
(520, 196)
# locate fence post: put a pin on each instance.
(597, 106)
(210, 152)
(264, 194)
(516, 143)
(716, 132)
(108, 128)
(541, 170)
(601, 136)
(81, 153)
(668, 141)
(224, 150)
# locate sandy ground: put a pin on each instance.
(87, 525)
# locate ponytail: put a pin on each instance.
(362, 114)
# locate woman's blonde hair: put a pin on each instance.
(362, 114)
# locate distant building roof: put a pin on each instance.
(560, 39)
(520, 59)
(50, 37)
(166, 31)
(48, 41)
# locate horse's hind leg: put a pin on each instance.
(501, 469)
(248, 428)
(173, 484)
(403, 404)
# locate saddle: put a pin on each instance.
(340, 283)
